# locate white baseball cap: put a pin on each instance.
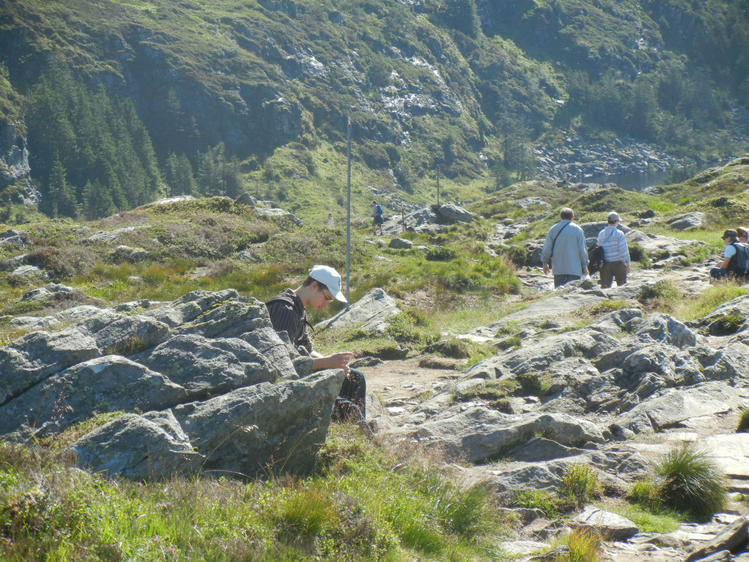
(330, 278)
(613, 217)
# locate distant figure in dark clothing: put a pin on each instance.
(287, 313)
(377, 218)
(735, 258)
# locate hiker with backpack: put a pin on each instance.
(735, 262)
(287, 312)
(564, 250)
(616, 263)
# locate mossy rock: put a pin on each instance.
(726, 324)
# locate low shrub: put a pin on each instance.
(691, 482)
(453, 347)
(646, 494)
(440, 253)
(579, 485)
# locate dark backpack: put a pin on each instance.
(595, 259)
(740, 262)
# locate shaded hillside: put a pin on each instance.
(467, 86)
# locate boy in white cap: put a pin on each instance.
(616, 263)
(287, 314)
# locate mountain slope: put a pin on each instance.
(464, 85)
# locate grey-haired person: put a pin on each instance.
(616, 264)
(288, 314)
(564, 250)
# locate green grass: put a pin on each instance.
(743, 425)
(361, 503)
(579, 485)
(709, 300)
(647, 519)
(690, 482)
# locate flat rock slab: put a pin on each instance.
(676, 406)
(610, 526)
(522, 548)
(560, 307)
(730, 452)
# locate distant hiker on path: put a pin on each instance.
(615, 253)
(564, 250)
(735, 257)
(287, 314)
(331, 220)
(377, 218)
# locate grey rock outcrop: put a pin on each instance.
(263, 428)
(204, 382)
(450, 213)
(478, 433)
(370, 313)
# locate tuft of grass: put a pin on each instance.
(649, 519)
(538, 499)
(607, 306)
(691, 482)
(645, 493)
(662, 296)
(534, 384)
(584, 545)
(579, 485)
(451, 347)
(494, 393)
(743, 425)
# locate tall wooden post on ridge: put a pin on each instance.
(348, 211)
(438, 186)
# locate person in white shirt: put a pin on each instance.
(616, 263)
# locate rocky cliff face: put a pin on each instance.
(14, 160)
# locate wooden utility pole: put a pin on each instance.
(348, 211)
(438, 186)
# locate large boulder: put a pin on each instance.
(35, 356)
(260, 429)
(449, 213)
(104, 384)
(208, 369)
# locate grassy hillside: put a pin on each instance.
(363, 501)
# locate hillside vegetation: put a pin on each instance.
(363, 501)
(122, 102)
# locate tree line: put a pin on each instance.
(92, 156)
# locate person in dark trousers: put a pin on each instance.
(615, 253)
(730, 264)
(377, 218)
(564, 249)
(287, 312)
